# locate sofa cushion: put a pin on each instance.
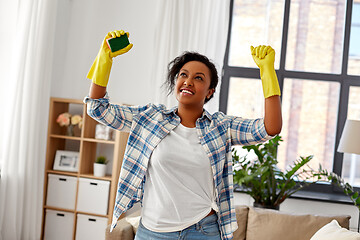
(125, 229)
(333, 231)
(134, 222)
(241, 217)
(272, 224)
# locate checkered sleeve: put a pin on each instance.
(248, 131)
(113, 115)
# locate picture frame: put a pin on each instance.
(66, 161)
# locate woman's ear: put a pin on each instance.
(211, 92)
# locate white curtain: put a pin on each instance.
(27, 30)
(189, 25)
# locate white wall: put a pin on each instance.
(81, 27)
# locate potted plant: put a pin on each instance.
(100, 166)
(269, 186)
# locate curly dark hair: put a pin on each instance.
(175, 66)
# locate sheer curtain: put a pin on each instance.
(188, 25)
(25, 63)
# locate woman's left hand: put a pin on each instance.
(264, 57)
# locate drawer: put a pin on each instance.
(58, 225)
(61, 191)
(90, 227)
(93, 196)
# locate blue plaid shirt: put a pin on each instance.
(149, 124)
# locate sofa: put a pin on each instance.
(253, 224)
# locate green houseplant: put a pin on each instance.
(100, 166)
(269, 186)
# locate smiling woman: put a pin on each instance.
(182, 153)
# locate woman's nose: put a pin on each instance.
(188, 82)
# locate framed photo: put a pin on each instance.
(66, 161)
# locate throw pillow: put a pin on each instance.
(134, 221)
(333, 231)
(274, 225)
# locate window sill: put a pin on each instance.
(323, 197)
(333, 197)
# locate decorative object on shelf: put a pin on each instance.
(70, 121)
(269, 186)
(100, 166)
(104, 132)
(66, 161)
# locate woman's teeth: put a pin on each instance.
(186, 91)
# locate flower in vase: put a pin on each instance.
(76, 119)
(64, 119)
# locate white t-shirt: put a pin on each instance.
(179, 186)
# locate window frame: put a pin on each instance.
(345, 80)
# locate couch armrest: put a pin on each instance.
(122, 231)
(242, 218)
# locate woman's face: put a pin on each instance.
(193, 83)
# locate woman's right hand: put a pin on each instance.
(100, 70)
(115, 34)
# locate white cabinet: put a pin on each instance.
(61, 191)
(93, 196)
(59, 225)
(90, 227)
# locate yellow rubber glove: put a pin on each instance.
(100, 70)
(264, 57)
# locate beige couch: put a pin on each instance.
(254, 224)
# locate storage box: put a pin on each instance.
(90, 227)
(93, 196)
(104, 132)
(61, 191)
(58, 225)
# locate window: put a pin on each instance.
(318, 70)
(351, 164)
(354, 49)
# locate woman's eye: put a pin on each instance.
(200, 78)
(183, 74)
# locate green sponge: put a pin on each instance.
(115, 44)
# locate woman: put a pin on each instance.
(178, 162)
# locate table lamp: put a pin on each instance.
(350, 138)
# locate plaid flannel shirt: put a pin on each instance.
(149, 124)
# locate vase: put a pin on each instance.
(258, 205)
(99, 170)
(70, 130)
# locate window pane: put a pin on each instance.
(354, 48)
(354, 103)
(316, 32)
(245, 98)
(255, 23)
(351, 162)
(309, 122)
(351, 169)
(355, 17)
